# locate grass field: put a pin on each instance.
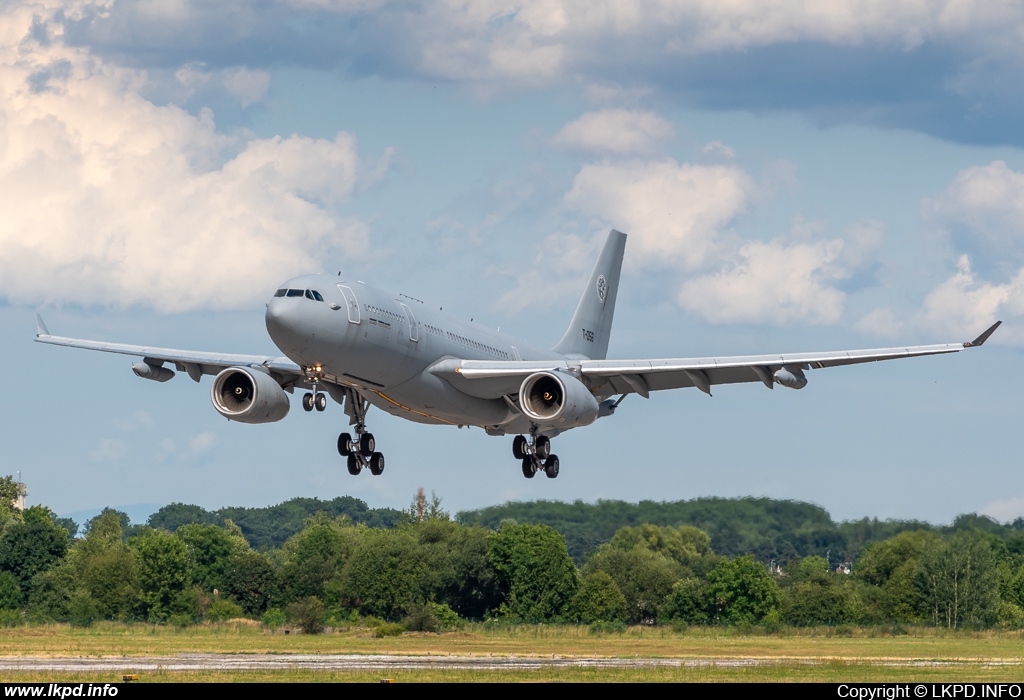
(791, 655)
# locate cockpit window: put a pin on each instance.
(316, 295)
(309, 294)
(295, 292)
(280, 292)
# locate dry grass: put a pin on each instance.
(115, 639)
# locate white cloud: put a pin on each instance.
(987, 202)
(771, 282)
(1005, 510)
(962, 303)
(538, 284)
(108, 450)
(249, 86)
(110, 199)
(673, 212)
(202, 442)
(138, 420)
(618, 131)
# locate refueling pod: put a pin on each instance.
(556, 399)
(249, 395)
(791, 377)
(152, 370)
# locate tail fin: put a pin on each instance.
(591, 325)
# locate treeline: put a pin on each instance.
(426, 571)
(766, 528)
(270, 527)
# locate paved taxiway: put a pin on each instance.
(383, 662)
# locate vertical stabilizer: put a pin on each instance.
(591, 325)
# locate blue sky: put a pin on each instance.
(792, 177)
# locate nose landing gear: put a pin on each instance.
(535, 455)
(314, 399)
(360, 451)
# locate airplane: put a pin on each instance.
(364, 346)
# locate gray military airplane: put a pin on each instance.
(364, 346)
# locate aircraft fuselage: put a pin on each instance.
(383, 345)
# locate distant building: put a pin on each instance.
(19, 502)
(844, 568)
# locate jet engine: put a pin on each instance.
(562, 401)
(249, 396)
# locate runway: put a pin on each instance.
(383, 662)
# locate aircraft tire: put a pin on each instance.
(377, 464)
(542, 447)
(519, 447)
(320, 401)
(344, 444)
(528, 470)
(307, 402)
(354, 467)
(551, 466)
(367, 444)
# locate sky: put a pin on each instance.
(792, 176)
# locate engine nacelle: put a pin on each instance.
(791, 378)
(249, 396)
(563, 401)
(157, 373)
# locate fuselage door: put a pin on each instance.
(351, 302)
(515, 354)
(414, 333)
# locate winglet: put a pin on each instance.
(41, 327)
(983, 337)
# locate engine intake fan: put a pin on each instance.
(549, 399)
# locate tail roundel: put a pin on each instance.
(591, 326)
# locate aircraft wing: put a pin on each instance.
(194, 363)
(493, 379)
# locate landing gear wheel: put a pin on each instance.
(528, 468)
(307, 402)
(542, 448)
(354, 467)
(320, 401)
(376, 464)
(519, 447)
(344, 444)
(551, 466)
(367, 444)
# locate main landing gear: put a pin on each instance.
(535, 455)
(359, 450)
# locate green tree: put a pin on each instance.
(891, 568)
(31, 545)
(741, 590)
(383, 576)
(958, 579)
(251, 580)
(534, 572)
(598, 600)
(686, 602)
(645, 577)
(456, 569)
(10, 592)
(815, 595)
(685, 544)
(105, 569)
(163, 574)
(210, 548)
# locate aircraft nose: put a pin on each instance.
(283, 325)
